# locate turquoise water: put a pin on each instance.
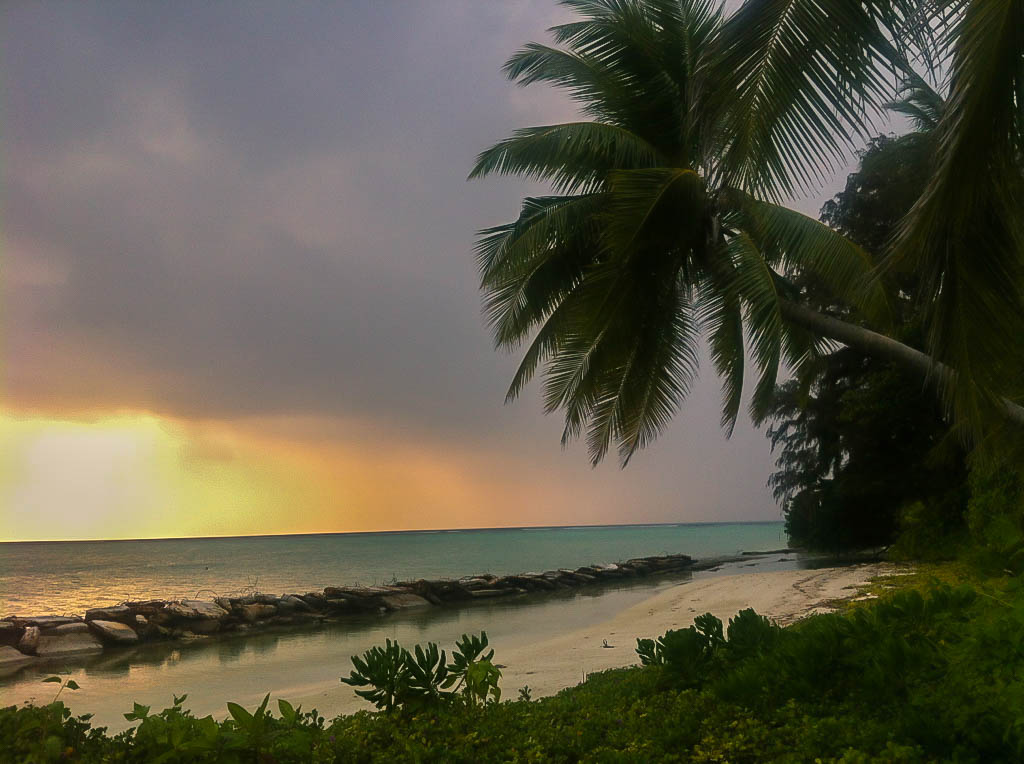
(70, 576)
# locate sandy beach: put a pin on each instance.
(784, 596)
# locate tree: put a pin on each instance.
(664, 219)
(858, 450)
(858, 440)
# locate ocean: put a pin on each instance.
(66, 577)
(304, 665)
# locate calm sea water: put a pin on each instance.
(69, 576)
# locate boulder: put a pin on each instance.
(196, 610)
(314, 599)
(10, 657)
(256, 612)
(148, 608)
(290, 603)
(205, 626)
(450, 590)
(115, 613)
(29, 640)
(68, 628)
(10, 633)
(358, 592)
(49, 621)
(63, 645)
(114, 632)
(485, 593)
(403, 601)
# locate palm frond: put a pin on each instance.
(804, 78)
(529, 265)
(919, 102)
(720, 314)
(795, 240)
(756, 285)
(572, 157)
(965, 235)
(666, 205)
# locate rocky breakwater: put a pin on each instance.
(27, 640)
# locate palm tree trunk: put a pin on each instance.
(878, 346)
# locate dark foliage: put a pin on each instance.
(863, 448)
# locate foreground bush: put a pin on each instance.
(921, 675)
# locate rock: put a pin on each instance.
(196, 609)
(205, 626)
(257, 611)
(10, 657)
(403, 600)
(67, 644)
(148, 608)
(68, 628)
(10, 633)
(141, 620)
(114, 632)
(29, 640)
(289, 603)
(49, 621)
(115, 613)
(484, 593)
(333, 605)
(314, 600)
(359, 592)
(540, 582)
(451, 590)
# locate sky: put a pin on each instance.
(239, 293)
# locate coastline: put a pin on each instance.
(27, 641)
(550, 665)
(784, 596)
(546, 643)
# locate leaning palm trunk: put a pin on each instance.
(881, 347)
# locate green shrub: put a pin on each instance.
(394, 678)
(995, 517)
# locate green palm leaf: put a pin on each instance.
(798, 241)
(804, 77)
(966, 233)
(571, 156)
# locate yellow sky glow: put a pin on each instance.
(137, 475)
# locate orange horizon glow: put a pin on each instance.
(140, 476)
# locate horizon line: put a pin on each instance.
(382, 532)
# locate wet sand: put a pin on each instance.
(784, 596)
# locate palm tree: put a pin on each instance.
(664, 219)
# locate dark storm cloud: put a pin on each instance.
(238, 209)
